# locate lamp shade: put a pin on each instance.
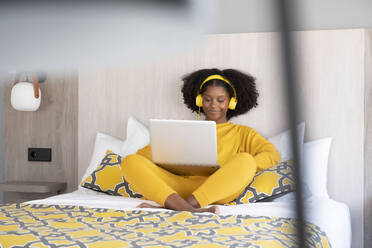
(23, 97)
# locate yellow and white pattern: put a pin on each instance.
(108, 178)
(273, 181)
(31, 225)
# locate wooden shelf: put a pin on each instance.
(32, 187)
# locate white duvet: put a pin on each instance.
(331, 216)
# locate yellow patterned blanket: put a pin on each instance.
(31, 225)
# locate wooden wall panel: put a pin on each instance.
(332, 97)
(368, 142)
(109, 96)
(53, 125)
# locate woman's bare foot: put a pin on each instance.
(147, 205)
(176, 202)
(195, 204)
(213, 209)
(192, 201)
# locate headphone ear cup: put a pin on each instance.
(199, 100)
(232, 103)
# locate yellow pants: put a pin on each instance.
(156, 183)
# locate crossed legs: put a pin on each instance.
(189, 193)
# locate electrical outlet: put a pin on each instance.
(40, 154)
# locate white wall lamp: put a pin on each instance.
(26, 96)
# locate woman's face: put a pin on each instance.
(216, 103)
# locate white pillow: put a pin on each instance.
(313, 170)
(138, 136)
(103, 143)
(282, 142)
(315, 165)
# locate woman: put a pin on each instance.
(242, 152)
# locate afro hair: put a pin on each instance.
(244, 84)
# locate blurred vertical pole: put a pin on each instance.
(2, 86)
(286, 11)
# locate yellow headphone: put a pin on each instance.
(199, 97)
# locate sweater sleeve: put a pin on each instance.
(145, 151)
(263, 151)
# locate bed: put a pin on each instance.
(92, 219)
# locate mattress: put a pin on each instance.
(323, 215)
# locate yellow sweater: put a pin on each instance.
(233, 139)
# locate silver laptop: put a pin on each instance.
(184, 147)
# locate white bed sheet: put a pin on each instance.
(331, 216)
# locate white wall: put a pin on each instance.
(240, 16)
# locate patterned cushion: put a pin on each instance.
(273, 181)
(108, 178)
